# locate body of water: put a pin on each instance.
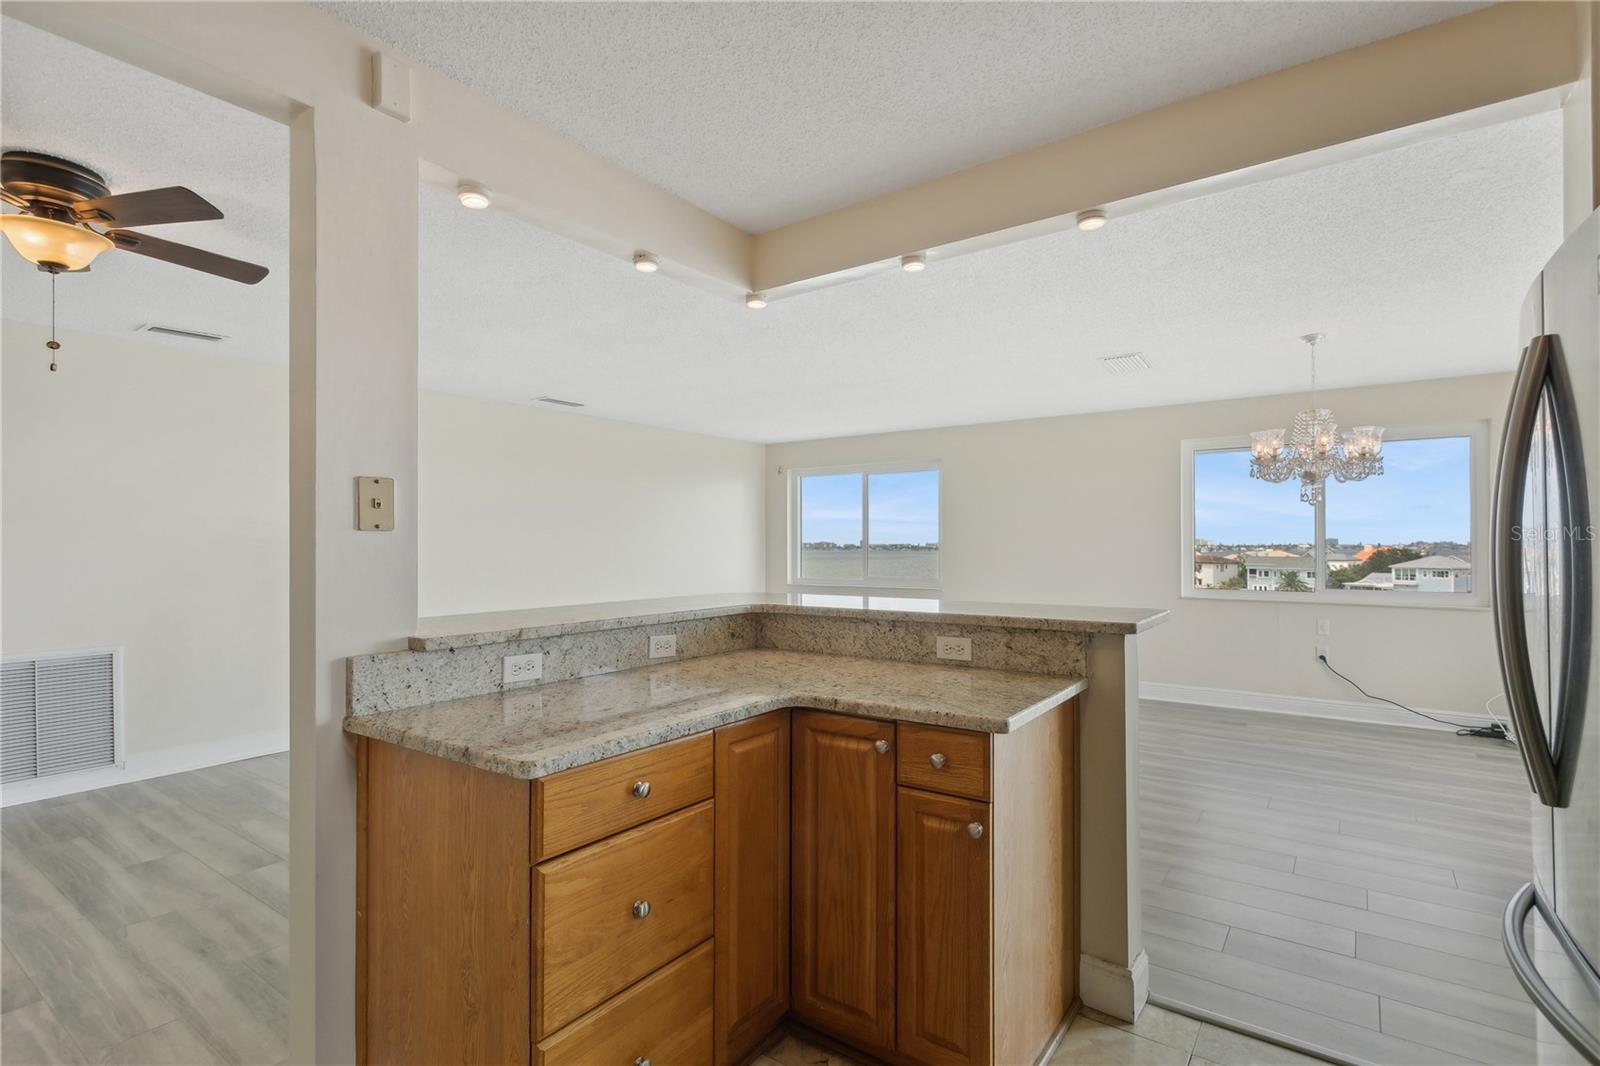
(825, 564)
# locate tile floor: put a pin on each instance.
(1340, 884)
(1160, 1038)
(148, 923)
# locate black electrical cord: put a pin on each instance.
(1494, 732)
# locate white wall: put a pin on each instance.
(526, 507)
(1085, 509)
(145, 505)
(146, 497)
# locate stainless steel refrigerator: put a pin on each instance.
(1546, 504)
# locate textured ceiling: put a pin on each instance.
(766, 113)
(141, 131)
(1415, 261)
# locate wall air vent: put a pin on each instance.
(187, 334)
(1126, 365)
(558, 403)
(59, 713)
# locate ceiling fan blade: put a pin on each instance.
(185, 256)
(152, 207)
(12, 198)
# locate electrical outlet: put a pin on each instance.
(1324, 627)
(1322, 651)
(959, 648)
(663, 646)
(519, 669)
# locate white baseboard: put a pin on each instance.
(149, 764)
(1306, 706)
(1120, 991)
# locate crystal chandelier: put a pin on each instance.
(1313, 449)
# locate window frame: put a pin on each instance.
(1478, 485)
(866, 470)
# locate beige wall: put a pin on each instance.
(145, 506)
(525, 507)
(146, 497)
(1085, 509)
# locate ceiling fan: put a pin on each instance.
(68, 217)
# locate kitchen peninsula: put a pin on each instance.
(796, 810)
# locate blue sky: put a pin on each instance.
(1424, 494)
(905, 508)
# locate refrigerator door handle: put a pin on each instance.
(1566, 1023)
(1510, 628)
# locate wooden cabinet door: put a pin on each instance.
(943, 975)
(843, 878)
(752, 867)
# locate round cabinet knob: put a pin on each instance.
(974, 830)
(881, 747)
(937, 760)
(641, 907)
(641, 789)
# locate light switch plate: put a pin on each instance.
(518, 669)
(958, 648)
(391, 87)
(663, 646)
(374, 503)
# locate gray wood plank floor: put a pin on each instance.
(149, 923)
(1339, 884)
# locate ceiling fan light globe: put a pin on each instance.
(47, 242)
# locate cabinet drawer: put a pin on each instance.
(943, 760)
(589, 943)
(585, 804)
(666, 1019)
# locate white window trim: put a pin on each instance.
(864, 469)
(1478, 599)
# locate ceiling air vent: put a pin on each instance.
(187, 334)
(558, 403)
(1126, 365)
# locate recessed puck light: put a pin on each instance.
(472, 195)
(1091, 219)
(645, 263)
(755, 300)
(913, 263)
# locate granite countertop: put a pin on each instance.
(469, 630)
(538, 730)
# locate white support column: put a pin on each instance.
(353, 411)
(1113, 973)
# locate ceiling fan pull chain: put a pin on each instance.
(53, 344)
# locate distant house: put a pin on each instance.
(1338, 557)
(1368, 551)
(1210, 571)
(1266, 572)
(1436, 573)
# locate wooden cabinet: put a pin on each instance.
(943, 760)
(588, 803)
(609, 914)
(801, 863)
(843, 919)
(441, 888)
(942, 1007)
(752, 910)
(665, 1019)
